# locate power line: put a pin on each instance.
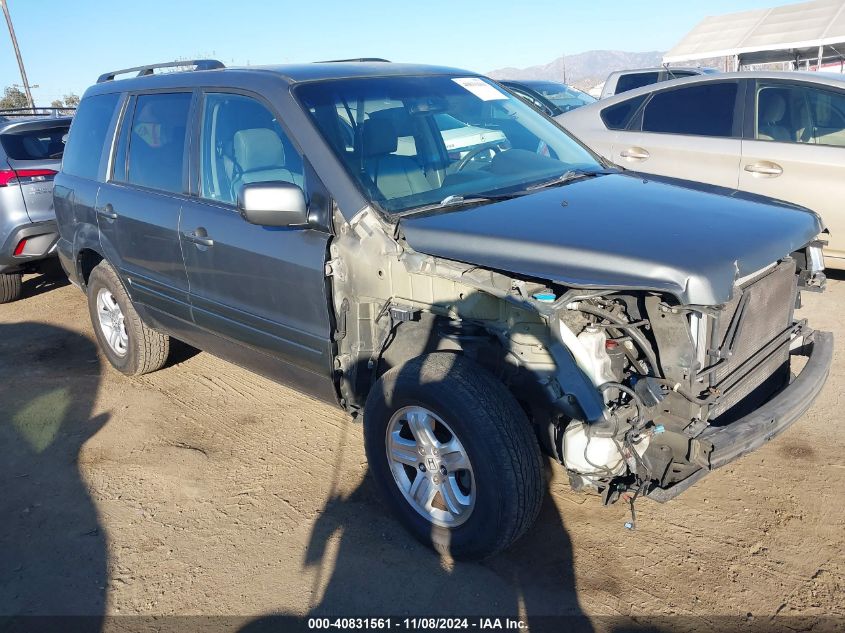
(17, 53)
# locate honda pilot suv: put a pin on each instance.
(30, 154)
(477, 309)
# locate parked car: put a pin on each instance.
(621, 81)
(30, 154)
(777, 134)
(550, 97)
(639, 332)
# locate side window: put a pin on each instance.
(88, 135)
(617, 117)
(800, 114)
(635, 80)
(242, 142)
(157, 141)
(705, 109)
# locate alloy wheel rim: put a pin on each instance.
(112, 322)
(430, 466)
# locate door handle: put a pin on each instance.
(635, 153)
(107, 211)
(765, 168)
(198, 237)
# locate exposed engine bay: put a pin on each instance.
(627, 389)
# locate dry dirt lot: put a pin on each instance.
(204, 489)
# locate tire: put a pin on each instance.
(505, 469)
(10, 287)
(141, 349)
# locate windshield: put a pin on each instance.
(563, 95)
(416, 141)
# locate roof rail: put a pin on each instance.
(198, 64)
(7, 113)
(355, 59)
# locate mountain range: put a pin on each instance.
(583, 70)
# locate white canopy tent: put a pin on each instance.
(804, 33)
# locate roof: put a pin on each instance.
(785, 33)
(291, 73)
(343, 70)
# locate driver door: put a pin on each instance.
(257, 293)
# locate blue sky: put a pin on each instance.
(66, 45)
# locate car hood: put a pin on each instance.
(622, 231)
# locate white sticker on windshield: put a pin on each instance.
(480, 88)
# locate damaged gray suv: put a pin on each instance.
(425, 250)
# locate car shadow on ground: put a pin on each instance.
(51, 278)
(366, 565)
(53, 557)
(835, 275)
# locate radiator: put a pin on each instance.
(760, 311)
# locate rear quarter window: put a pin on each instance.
(88, 135)
(618, 116)
(43, 144)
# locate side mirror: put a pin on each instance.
(273, 204)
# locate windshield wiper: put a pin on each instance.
(569, 176)
(453, 202)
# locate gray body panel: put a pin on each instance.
(620, 231)
(261, 286)
(142, 243)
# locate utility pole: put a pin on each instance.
(17, 53)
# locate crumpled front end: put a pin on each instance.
(684, 389)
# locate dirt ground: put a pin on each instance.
(205, 489)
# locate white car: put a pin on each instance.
(777, 134)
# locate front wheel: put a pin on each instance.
(453, 455)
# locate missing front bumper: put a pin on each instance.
(770, 420)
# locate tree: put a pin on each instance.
(13, 97)
(66, 103)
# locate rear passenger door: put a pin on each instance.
(138, 208)
(691, 132)
(794, 150)
(259, 291)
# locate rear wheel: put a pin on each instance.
(131, 347)
(453, 455)
(10, 287)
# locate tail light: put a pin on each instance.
(19, 248)
(9, 177)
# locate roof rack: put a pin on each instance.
(355, 59)
(7, 113)
(198, 64)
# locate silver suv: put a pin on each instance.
(31, 150)
(478, 306)
(621, 81)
